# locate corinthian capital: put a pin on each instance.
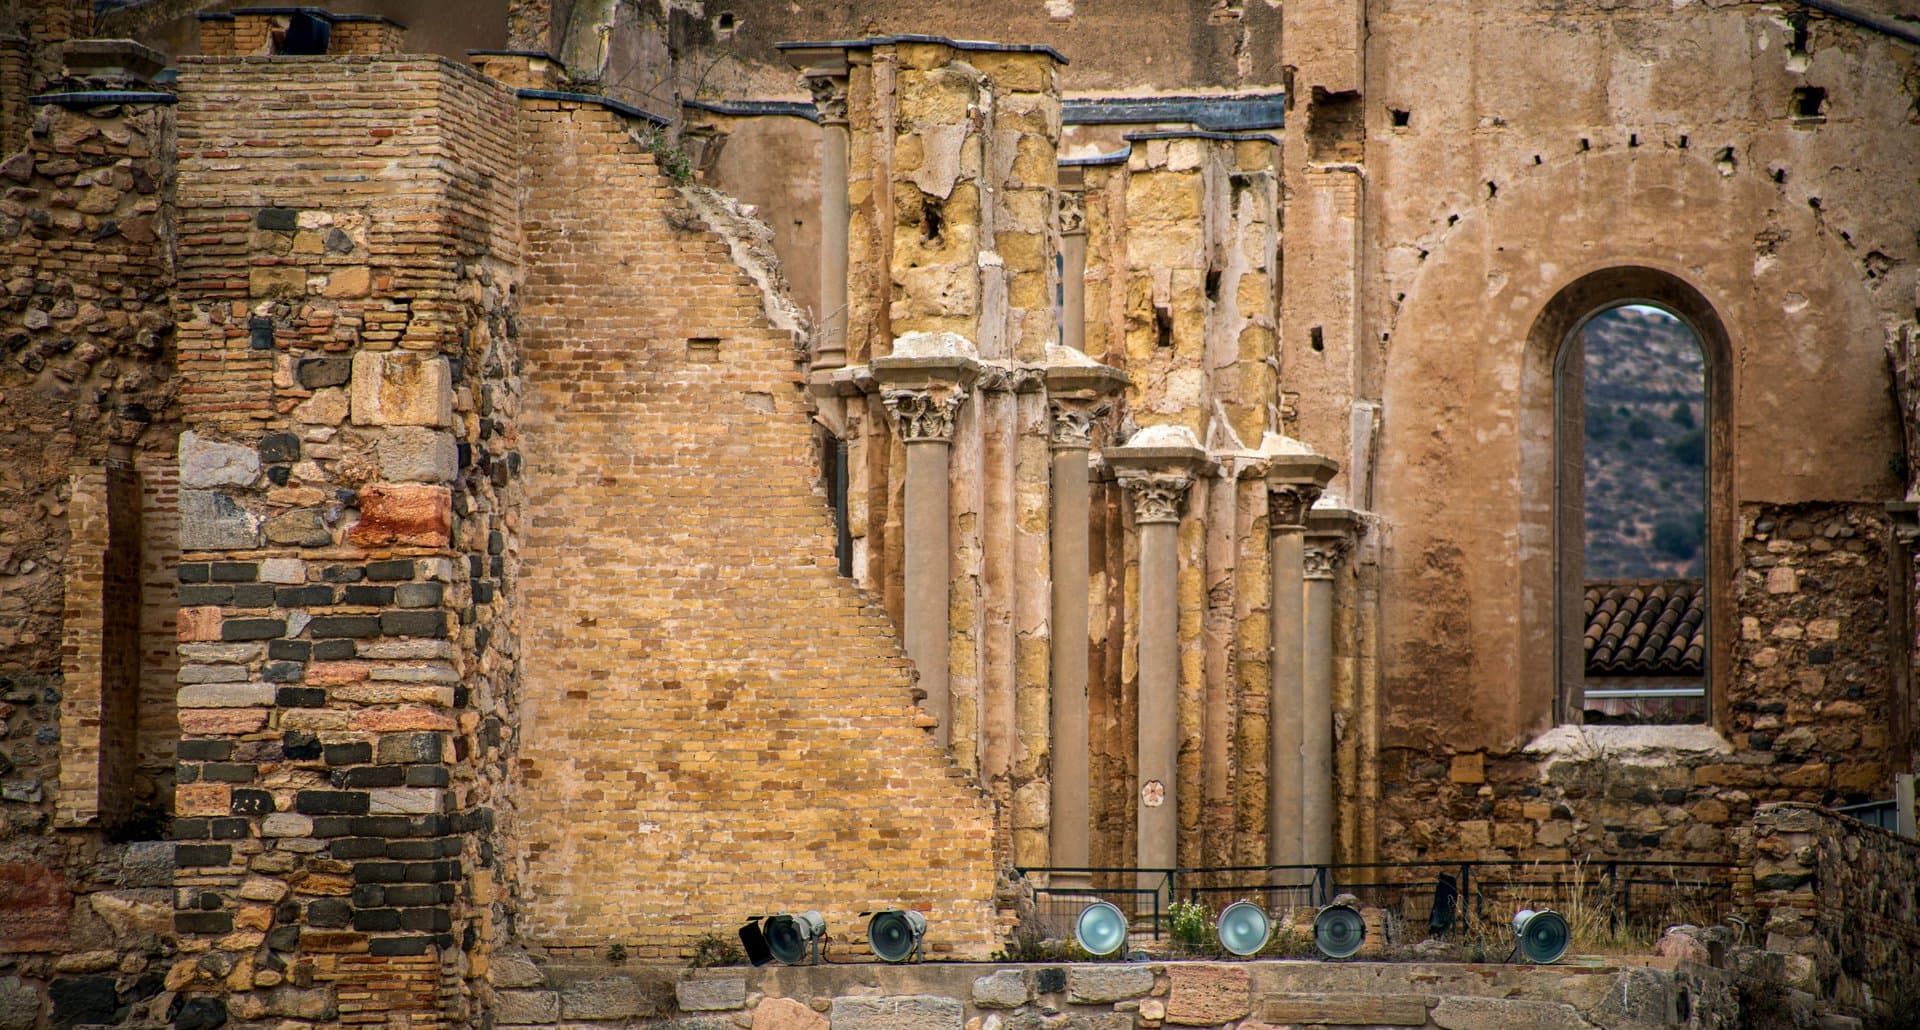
(1321, 556)
(1157, 495)
(1073, 213)
(1071, 426)
(924, 414)
(829, 97)
(1287, 504)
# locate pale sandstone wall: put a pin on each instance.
(718, 725)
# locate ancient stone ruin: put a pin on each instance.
(495, 496)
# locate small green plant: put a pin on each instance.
(674, 162)
(1192, 926)
(616, 953)
(716, 950)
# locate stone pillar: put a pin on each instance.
(1156, 511)
(925, 422)
(1073, 260)
(1316, 740)
(830, 333)
(1071, 439)
(1295, 479)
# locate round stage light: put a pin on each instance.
(1544, 935)
(896, 933)
(1101, 928)
(1338, 931)
(1243, 928)
(794, 939)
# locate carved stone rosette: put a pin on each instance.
(829, 97)
(1157, 495)
(922, 415)
(1287, 505)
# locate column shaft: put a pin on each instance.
(832, 336)
(1073, 290)
(927, 576)
(1159, 823)
(1069, 819)
(1316, 742)
(1285, 701)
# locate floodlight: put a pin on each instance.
(1100, 928)
(796, 939)
(895, 934)
(1338, 931)
(1243, 928)
(1544, 935)
(755, 942)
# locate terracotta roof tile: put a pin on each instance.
(1646, 627)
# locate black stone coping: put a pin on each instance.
(757, 108)
(313, 12)
(542, 54)
(958, 44)
(1139, 137)
(1863, 20)
(1114, 158)
(1234, 113)
(589, 98)
(93, 98)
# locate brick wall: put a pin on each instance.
(711, 701)
(346, 355)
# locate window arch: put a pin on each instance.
(1633, 347)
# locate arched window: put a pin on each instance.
(1631, 486)
(1646, 352)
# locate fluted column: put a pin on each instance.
(1157, 499)
(925, 419)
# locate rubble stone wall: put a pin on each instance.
(1844, 897)
(86, 361)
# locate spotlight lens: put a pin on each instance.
(895, 934)
(1338, 931)
(1544, 937)
(788, 936)
(1100, 929)
(1243, 928)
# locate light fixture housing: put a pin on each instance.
(1339, 931)
(895, 934)
(1100, 929)
(1544, 935)
(795, 940)
(1243, 928)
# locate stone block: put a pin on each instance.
(283, 570)
(392, 513)
(787, 1014)
(1345, 1009)
(512, 968)
(35, 909)
(317, 373)
(225, 695)
(211, 521)
(901, 1012)
(1205, 995)
(415, 454)
(277, 281)
(1503, 1014)
(20, 1003)
(710, 993)
(209, 463)
(401, 388)
(349, 282)
(526, 1008)
(301, 527)
(1100, 985)
(1003, 989)
(134, 912)
(605, 997)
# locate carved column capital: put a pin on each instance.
(1287, 504)
(1073, 213)
(924, 415)
(1156, 495)
(1323, 554)
(1071, 425)
(829, 97)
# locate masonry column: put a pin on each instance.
(1316, 741)
(826, 78)
(1158, 476)
(1073, 258)
(1295, 479)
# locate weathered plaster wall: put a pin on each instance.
(1682, 157)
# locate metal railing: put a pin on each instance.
(1643, 894)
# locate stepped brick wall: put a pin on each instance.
(717, 724)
